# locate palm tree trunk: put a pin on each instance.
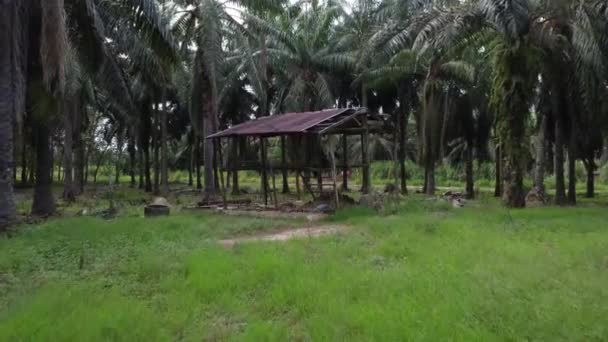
(364, 101)
(32, 171)
(560, 184)
(590, 168)
(164, 151)
(470, 184)
(604, 156)
(571, 177)
(59, 168)
(404, 114)
(539, 174)
(119, 145)
(572, 150)
(140, 157)
(44, 202)
(426, 179)
(12, 96)
(208, 154)
(197, 161)
(132, 156)
(430, 179)
(78, 151)
(511, 115)
(24, 155)
(68, 169)
(7, 204)
(145, 145)
(156, 150)
(87, 159)
(572, 168)
(16, 153)
(191, 167)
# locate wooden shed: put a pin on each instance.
(309, 127)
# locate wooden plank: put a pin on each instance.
(343, 121)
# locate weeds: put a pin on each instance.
(425, 272)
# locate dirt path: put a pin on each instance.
(288, 234)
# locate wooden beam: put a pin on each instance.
(372, 127)
(341, 122)
(264, 164)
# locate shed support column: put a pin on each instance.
(264, 180)
(235, 167)
(345, 162)
(219, 162)
(284, 166)
(318, 147)
(365, 186)
(307, 161)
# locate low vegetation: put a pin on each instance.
(419, 271)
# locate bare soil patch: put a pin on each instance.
(271, 214)
(288, 234)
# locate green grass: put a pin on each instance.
(424, 272)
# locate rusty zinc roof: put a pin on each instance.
(281, 124)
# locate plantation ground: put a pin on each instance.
(420, 271)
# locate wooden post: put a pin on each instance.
(317, 141)
(274, 188)
(334, 177)
(284, 166)
(307, 161)
(264, 179)
(320, 180)
(235, 167)
(345, 162)
(365, 157)
(298, 191)
(218, 147)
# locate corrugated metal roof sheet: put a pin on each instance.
(281, 124)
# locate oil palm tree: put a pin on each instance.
(569, 33)
(200, 27)
(12, 97)
(304, 54)
(38, 36)
(514, 74)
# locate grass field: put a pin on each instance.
(420, 271)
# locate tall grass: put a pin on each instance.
(427, 272)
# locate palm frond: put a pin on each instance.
(148, 18)
(509, 17)
(87, 33)
(459, 71)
